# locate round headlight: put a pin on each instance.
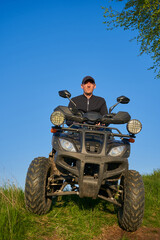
(57, 118)
(134, 126)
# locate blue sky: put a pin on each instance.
(47, 46)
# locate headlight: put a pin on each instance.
(116, 151)
(134, 126)
(66, 145)
(57, 118)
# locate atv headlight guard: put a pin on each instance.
(134, 126)
(57, 118)
(66, 145)
(116, 151)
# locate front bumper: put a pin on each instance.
(78, 164)
(90, 170)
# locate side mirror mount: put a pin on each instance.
(123, 100)
(64, 94)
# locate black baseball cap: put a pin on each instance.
(88, 78)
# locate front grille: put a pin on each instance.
(94, 143)
(92, 148)
(113, 166)
(91, 169)
(70, 162)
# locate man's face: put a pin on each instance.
(88, 87)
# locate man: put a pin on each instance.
(89, 102)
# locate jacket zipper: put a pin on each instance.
(87, 104)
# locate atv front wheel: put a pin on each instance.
(130, 215)
(39, 171)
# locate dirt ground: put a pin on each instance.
(116, 233)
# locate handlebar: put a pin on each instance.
(94, 117)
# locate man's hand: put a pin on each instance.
(98, 124)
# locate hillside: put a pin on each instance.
(72, 218)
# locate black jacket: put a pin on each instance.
(94, 103)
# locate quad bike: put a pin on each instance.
(87, 156)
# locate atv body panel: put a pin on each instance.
(91, 165)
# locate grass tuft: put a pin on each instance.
(12, 212)
(152, 199)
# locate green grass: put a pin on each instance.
(152, 199)
(12, 212)
(81, 218)
(70, 217)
